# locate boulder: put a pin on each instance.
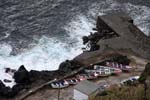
(6, 91)
(18, 87)
(21, 76)
(7, 81)
(85, 39)
(34, 75)
(2, 85)
(65, 66)
(94, 47)
(7, 70)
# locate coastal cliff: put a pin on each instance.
(117, 35)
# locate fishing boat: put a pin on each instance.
(130, 79)
(88, 76)
(73, 81)
(99, 73)
(124, 68)
(59, 84)
(107, 70)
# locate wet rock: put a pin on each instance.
(6, 91)
(7, 70)
(21, 76)
(34, 75)
(7, 81)
(94, 47)
(85, 39)
(43, 75)
(17, 88)
(2, 85)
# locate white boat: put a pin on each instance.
(100, 72)
(73, 81)
(60, 84)
(107, 69)
(88, 76)
(131, 79)
(124, 68)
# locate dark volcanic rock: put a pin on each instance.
(94, 47)
(1, 86)
(21, 76)
(119, 36)
(42, 75)
(17, 88)
(7, 91)
(85, 39)
(65, 66)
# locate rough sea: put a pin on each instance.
(40, 34)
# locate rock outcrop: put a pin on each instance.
(68, 66)
(117, 35)
(21, 76)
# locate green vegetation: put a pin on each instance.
(122, 93)
(131, 91)
(121, 59)
(145, 74)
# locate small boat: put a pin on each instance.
(130, 79)
(73, 81)
(99, 73)
(92, 76)
(134, 78)
(115, 71)
(107, 70)
(60, 84)
(88, 76)
(124, 68)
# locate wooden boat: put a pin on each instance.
(73, 81)
(107, 70)
(124, 68)
(60, 84)
(130, 79)
(99, 72)
(88, 76)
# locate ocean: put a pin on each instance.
(40, 34)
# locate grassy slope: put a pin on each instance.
(123, 93)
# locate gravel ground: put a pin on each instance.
(52, 94)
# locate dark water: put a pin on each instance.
(21, 20)
(40, 34)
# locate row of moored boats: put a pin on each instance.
(93, 73)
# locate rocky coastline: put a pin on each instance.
(106, 43)
(26, 79)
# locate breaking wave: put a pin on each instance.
(48, 53)
(140, 13)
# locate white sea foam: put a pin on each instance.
(48, 53)
(139, 13)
